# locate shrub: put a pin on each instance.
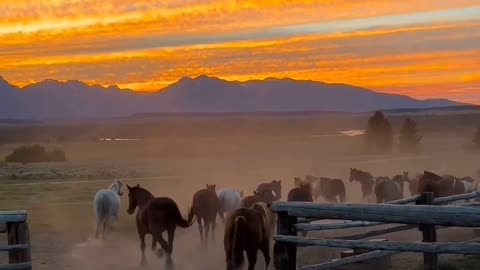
(409, 136)
(379, 134)
(35, 153)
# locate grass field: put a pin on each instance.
(176, 162)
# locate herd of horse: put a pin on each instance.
(249, 223)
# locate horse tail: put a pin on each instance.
(239, 227)
(181, 222)
(100, 207)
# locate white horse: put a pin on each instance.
(230, 199)
(106, 206)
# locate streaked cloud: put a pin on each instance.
(420, 48)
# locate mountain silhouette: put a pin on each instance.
(203, 94)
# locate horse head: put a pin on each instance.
(132, 198)
(353, 174)
(120, 187)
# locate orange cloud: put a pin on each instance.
(146, 45)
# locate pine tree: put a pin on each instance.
(409, 136)
(379, 134)
(476, 138)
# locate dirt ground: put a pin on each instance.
(61, 211)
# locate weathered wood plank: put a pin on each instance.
(18, 233)
(13, 216)
(285, 254)
(460, 216)
(13, 247)
(358, 258)
(404, 200)
(369, 234)
(459, 197)
(16, 266)
(336, 226)
(344, 261)
(438, 248)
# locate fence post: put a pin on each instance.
(18, 233)
(285, 254)
(429, 233)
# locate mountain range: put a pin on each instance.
(75, 99)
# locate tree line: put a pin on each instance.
(380, 139)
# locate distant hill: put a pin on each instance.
(203, 94)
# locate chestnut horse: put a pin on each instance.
(247, 230)
(154, 216)
(205, 207)
(275, 186)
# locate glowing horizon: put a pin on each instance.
(422, 48)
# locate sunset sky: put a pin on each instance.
(422, 48)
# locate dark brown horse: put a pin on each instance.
(155, 216)
(247, 230)
(301, 193)
(366, 180)
(440, 186)
(332, 190)
(205, 207)
(275, 186)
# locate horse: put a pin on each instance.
(462, 185)
(230, 200)
(205, 207)
(154, 216)
(247, 230)
(387, 189)
(266, 196)
(333, 190)
(413, 184)
(106, 205)
(275, 186)
(302, 193)
(366, 180)
(440, 186)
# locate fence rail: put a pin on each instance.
(14, 224)
(428, 215)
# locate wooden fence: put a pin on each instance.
(14, 224)
(427, 215)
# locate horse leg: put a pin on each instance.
(265, 248)
(200, 227)
(171, 238)
(214, 224)
(97, 233)
(104, 228)
(143, 261)
(166, 246)
(207, 224)
(252, 258)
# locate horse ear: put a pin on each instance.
(138, 185)
(129, 187)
